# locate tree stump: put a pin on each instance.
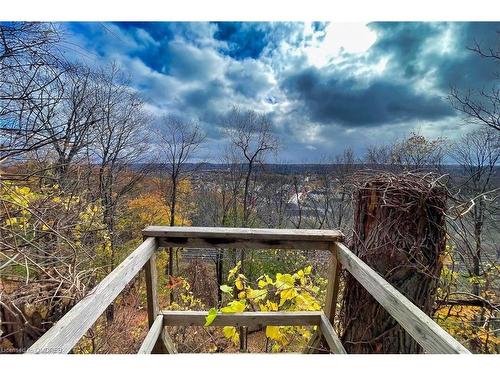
(399, 231)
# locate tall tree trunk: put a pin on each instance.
(399, 231)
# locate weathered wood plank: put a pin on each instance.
(152, 337)
(244, 233)
(330, 336)
(421, 327)
(313, 344)
(224, 243)
(246, 238)
(334, 269)
(247, 319)
(71, 327)
(332, 290)
(169, 344)
(152, 300)
(151, 289)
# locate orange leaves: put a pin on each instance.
(150, 209)
(174, 282)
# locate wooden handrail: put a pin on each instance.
(152, 337)
(330, 336)
(255, 319)
(243, 238)
(63, 336)
(422, 328)
(247, 319)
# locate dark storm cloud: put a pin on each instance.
(468, 70)
(245, 39)
(332, 99)
(408, 44)
(319, 105)
(404, 42)
(414, 51)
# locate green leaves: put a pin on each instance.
(226, 289)
(212, 314)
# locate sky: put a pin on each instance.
(326, 86)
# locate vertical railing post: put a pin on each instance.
(332, 291)
(151, 275)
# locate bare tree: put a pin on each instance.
(252, 139)
(72, 123)
(119, 145)
(272, 210)
(343, 171)
(477, 153)
(481, 106)
(30, 84)
(178, 141)
(378, 156)
(474, 221)
(251, 135)
(417, 152)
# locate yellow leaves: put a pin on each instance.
(301, 274)
(230, 333)
(285, 287)
(232, 271)
(239, 283)
(287, 292)
(305, 301)
(256, 294)
(11, 221)
(265, 280)
(269, 306)
(153, 208)
(234, 307)
(284, 281)
(478, 280)
(287, 295)
(460, 322)
(273, 332)
(304, 332)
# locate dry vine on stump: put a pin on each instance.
(399, 231)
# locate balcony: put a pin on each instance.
(65, 334)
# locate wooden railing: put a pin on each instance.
(65, 334)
